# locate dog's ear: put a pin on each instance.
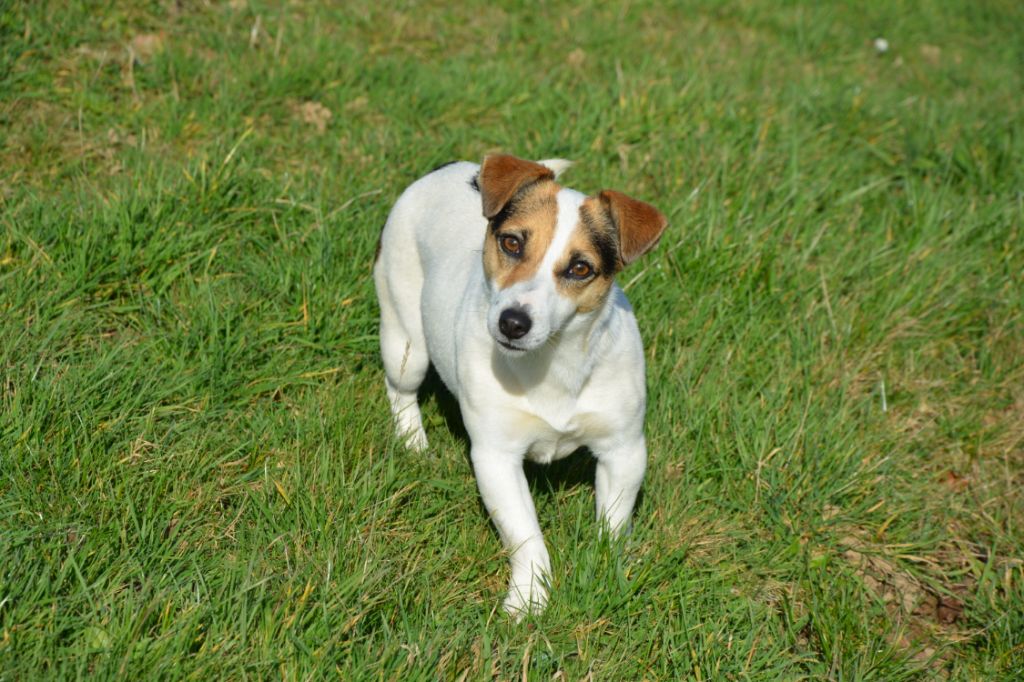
(639, 224)
(501, 176)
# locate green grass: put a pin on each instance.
(198, 477)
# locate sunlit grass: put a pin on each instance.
(198, 476)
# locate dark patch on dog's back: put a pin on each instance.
(443, 165)
(380, 240)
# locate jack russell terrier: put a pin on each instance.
(504, 281)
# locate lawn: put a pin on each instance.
(198, 475)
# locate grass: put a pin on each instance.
(198, 477)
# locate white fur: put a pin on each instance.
(580, 383)
(557, 166)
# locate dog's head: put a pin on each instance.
(551, 253)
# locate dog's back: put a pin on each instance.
(430, 248)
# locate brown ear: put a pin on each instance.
(501, 176)
(639, 224)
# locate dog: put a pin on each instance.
(503, 280)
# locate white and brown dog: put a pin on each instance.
(504, 280)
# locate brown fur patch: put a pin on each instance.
(640, 224)
(589, 294)
(502, 176)
(597, 223)
(532, 218)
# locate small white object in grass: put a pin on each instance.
(881, 45)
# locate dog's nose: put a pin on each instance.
(514, 323)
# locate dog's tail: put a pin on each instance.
(559, 166)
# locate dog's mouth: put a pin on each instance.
(508, 346)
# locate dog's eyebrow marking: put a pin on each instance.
(474, 183)
(525, 200)
(602, 234)
(503, 215)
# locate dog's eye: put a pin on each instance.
(580, 269)
(511, 245)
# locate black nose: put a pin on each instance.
(514, 323)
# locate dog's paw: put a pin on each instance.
(416, 440)
(521, 600)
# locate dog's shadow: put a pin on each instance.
(545, 479)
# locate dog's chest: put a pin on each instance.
(555, 436)
(552, 446)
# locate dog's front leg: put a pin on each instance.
(617, 481)
(506, 495)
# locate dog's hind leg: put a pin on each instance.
(404, 352)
